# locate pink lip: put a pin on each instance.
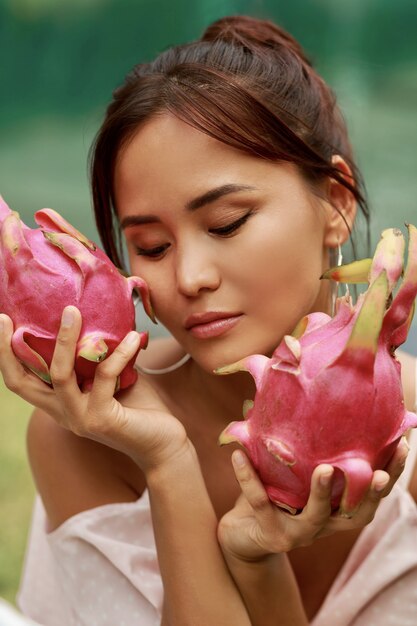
(211, 324)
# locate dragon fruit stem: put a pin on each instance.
(92, 348)
(397, 317)
(254, 364)
(235, 432)
(355, 272)
(4, 210)
(137, 283)
(300, 328)
(247, 406)
(363, 340)
(74, 249)
(49, 219)
(358, 477)
(389, 256)
(30, 358)
(13, 240)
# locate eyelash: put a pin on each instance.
(151, 252)
(223, 231)
(231, 228)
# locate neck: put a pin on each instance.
(226, 392)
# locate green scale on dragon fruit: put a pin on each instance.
(48, 268)
(331, 392)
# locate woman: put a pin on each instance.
(228, 168)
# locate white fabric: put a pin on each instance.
(10, 617)
(377, 585)
(98, 568)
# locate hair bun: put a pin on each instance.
(252, 32)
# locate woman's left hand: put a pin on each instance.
(255, 527)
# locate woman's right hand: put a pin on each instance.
(136, 422)
(255, 528)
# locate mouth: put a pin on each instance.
(211, 324)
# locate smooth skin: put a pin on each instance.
(110, 449)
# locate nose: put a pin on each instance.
(197, 269)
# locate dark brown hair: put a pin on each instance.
(247, 83)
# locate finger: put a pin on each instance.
(380, 480)
(16, 377)
(396, 465)
(108, 371)
(252, 488)
(62, 372)
(318, 508)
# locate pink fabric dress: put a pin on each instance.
(377, 585)
(100, 568)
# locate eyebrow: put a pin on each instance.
(206, 198)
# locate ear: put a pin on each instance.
(341, 202)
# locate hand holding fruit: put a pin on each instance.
(42, 271)
(136, 422)
(256, 528)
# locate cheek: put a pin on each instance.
(281, 259)
(282, 279)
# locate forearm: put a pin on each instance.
(198, 587)
(269, 590)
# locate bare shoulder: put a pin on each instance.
(74, 474)
(408, 376)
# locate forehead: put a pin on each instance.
(167, 162)
(167, 145)
(167, 153)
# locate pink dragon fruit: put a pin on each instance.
(331, 392)
(45, 269)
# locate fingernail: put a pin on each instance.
(1, 323)
(405, 448)
(238, 459)
(67, 318)
(131, 338)
(380, 486)
(326, 479)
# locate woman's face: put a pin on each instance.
(232, 246)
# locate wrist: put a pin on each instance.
(179, 460)
(255, 559)
(238, 543)
(272, 576)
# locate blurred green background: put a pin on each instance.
(60, 62)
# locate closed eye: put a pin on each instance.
(221, 231)
(229, 229)
(151, 252)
